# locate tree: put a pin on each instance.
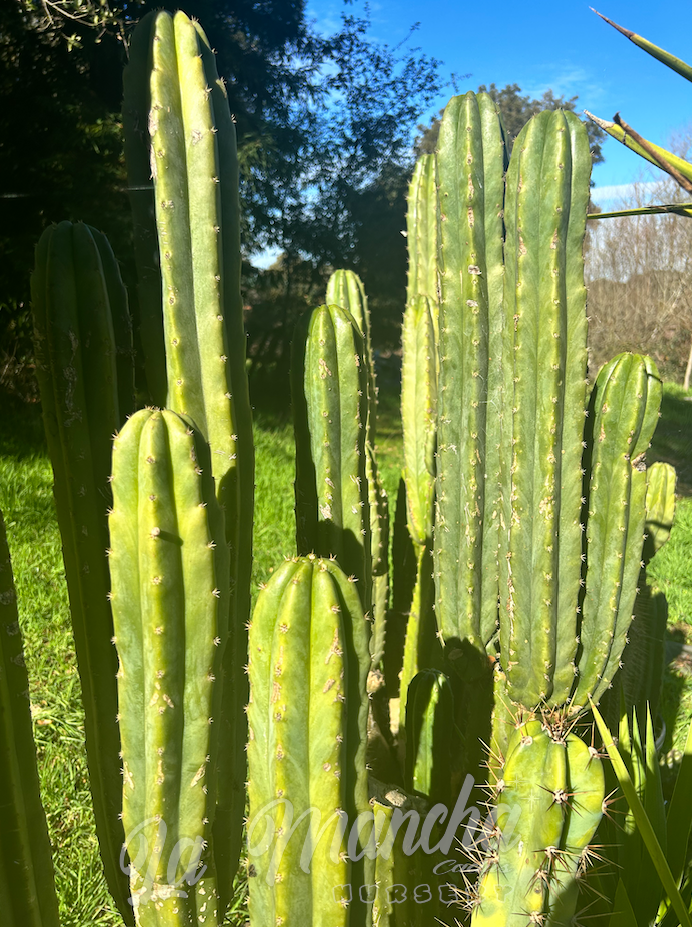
(319, 120)
(516, 111)
(639, 278)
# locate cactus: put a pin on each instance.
(329, 391)
(550, 804)
(169, 570)
(82, 378)
(174, 90)
(429, 744)
(471, 160)
(27, 888)
(420, 363)
(309, 659)
(345, 289)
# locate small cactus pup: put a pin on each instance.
(84, 370)
(169, 572)
(330, 411)
(27, 887)
(181, 133)
(307, 781)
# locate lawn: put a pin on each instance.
(27, 503)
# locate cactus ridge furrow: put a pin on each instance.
(309, 658)
(167, 533)
(467, 247)
(76, 371)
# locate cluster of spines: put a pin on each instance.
(169, 594)
(84, 369)
(27, 888)
(549, 802)
(173, 89)
(308, 663)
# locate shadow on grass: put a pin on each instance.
(21, 428)
(672, 441)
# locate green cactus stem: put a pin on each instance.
(175, 91)
(345, 289)
(329, 391)
(169, 570)
(660, 507)
(77, 369)
(309, 660)
(471, 161)
(27, 887)
(429, 737)
(623, 410)
(545, 216)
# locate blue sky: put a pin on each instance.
(560, 45)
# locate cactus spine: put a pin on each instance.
(169, 569)
(27, 889)
(82, 378)
(194, 165)
(309, 659)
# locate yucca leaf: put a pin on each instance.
(643, 822)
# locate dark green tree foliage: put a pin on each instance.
(324, 130)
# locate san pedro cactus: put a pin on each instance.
(419, 372)
(169, 570)
(329, 392)
(471, 162)
(308, 663)
(345, 289)
(182, 131)
(27, 889)
(83, 377)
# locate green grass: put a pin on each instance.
(27, 502)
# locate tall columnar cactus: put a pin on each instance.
(329, 392)
(544, 406)
(309, 659)
(420, 362)
(471, 163)
(174, 94)
(27, 889)
(345, 289)
(169, 569)
(76, 296)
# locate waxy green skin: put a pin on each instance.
(78, 307)
(660, 507)
(27, 888)
(544, 407)
(419, 373)
(174, 90)
(549, 804)
(430, 736)
(329, 393)
(170, 599)
(470, 160)
(624, 408)
(345, 289)
(308, 663)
